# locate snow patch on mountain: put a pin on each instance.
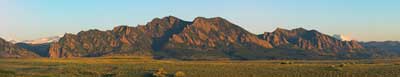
(342, 37)
(43, 40)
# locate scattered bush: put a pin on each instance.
(160, 73)
(287, 62)
(179, 74)
(109, 75)
(342, 65)
(336, 67)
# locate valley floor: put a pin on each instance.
(134, 67)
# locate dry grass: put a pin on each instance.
(141, 67)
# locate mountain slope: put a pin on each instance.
(157, 35)
(122, 40)
(211, 38)
(202, 38)
(39, 46)
(9, 50)
(384, 49)
(40, 49)
(392, 46)
(308, 39)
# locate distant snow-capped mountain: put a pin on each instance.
(13, 41)
(342, 37)
(8, 39)
(42, 40)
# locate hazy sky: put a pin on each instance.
(363, 20)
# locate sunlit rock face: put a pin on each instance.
(202, 38)
(161, 34)
(307, 39)
(9, 50)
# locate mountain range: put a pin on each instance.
(201, 39)
(9, 50)
(41, 40)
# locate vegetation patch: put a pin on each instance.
(100, 67)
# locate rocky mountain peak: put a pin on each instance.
(120, 28)
(281, 30)
(307, 39)
(173, 36)
(168, 20)
(171, 18)
(214, 20)
(301, 29)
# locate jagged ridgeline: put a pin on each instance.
(200, 39)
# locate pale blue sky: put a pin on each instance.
(363, 20)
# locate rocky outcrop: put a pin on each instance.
(308, 39)
(211, 38)
(214, 33)
(122, 40)
(202, 38)
(9, 50)
(159, 34)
